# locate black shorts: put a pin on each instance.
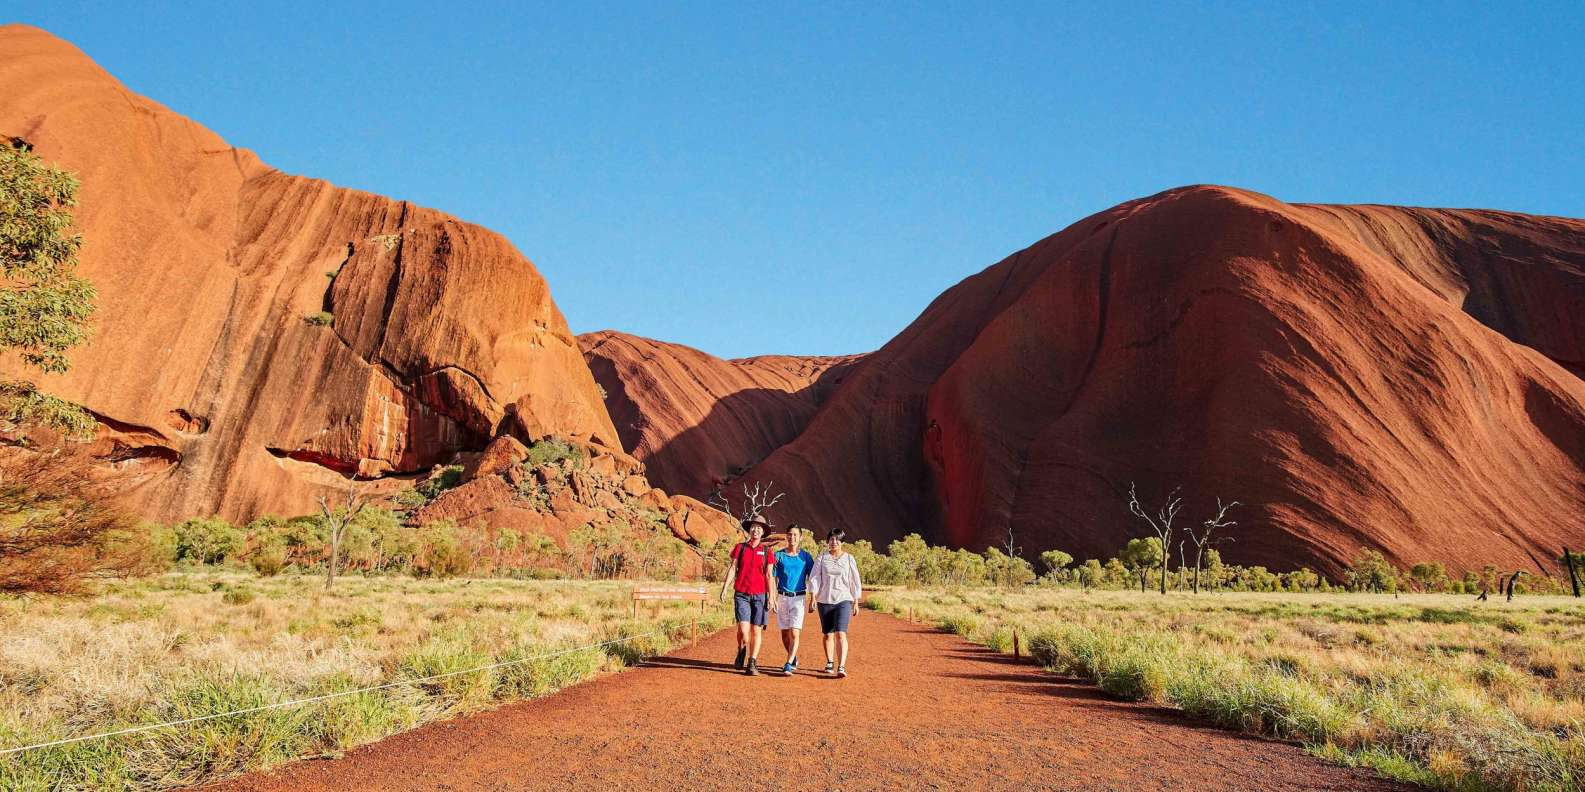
(834, 618)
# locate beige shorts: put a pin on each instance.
(790, 612)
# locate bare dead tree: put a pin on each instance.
(1161, 523)
(1183, 567)
(338, 518)
(1206, 536)
(755, 503)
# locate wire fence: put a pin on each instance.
(326, 696)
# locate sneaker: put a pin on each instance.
(794, 663)
(787, 668)
(738, 663)
(752, 668)
(842, 671)
(830, 668)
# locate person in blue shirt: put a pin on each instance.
(793, 564)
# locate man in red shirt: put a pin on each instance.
(750, 581)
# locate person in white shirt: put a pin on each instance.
(836, 588)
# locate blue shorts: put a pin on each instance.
(834, 618)
(749, 608)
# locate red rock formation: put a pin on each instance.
(1404, 379)
(594, 491)
(212, 387)
(696, 420)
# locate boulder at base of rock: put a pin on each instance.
(656, 499)
(501, 454)
(635, 486)
(699, 523)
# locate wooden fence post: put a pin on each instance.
(693, 633)
(1018, 651)
(1573, 577)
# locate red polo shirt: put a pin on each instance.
(752, 562)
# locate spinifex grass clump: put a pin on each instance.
(187, 645)
(1432, 689)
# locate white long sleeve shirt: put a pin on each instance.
(835, 579)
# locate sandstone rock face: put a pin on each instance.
(216, 393)
(1402, 379)
(696, 420)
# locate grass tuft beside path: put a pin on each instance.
(190, 644)
(1433, 689)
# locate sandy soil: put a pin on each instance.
(920, 710)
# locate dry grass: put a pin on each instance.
(1433, 689)
(184, 645)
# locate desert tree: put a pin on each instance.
(1055, 562)
(58, 528)
(1205, 536)
(1161, 523)
(338, 517)
(1142, 555)
(45, 306)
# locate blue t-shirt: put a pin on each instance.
(792, 571)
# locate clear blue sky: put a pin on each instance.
(807, 181)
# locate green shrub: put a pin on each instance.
(552, 450)
(238, 596)
(1372, 572)
(269, 555)
(964, 625)
(440, 479)
(210, 540)
(319, 318)
(161, 545)
(441, 551)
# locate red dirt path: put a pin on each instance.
(921, 710)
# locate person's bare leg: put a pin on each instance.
(842, 646)
(787, 641)
(792, 644)
(742, 635)
(759, 633)
(828, 642)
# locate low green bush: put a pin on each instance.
(552, 450)
(208, 540)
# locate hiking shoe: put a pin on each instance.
(830, 668)
(752, 668)
(842, 671)
(787, 669)
(738, 663)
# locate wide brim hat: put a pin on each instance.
(753, 521)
